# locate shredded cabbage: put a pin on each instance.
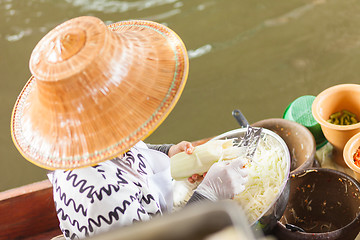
(266, 175)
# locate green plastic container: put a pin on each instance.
(300, 111)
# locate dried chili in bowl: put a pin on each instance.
(357, 157)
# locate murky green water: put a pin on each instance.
(254, 55)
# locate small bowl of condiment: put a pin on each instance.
(352, 155)
(337, 110)
(323, 204)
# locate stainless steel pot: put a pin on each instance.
(268, 219)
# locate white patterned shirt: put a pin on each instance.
(113, 193)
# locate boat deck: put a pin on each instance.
(28, 212)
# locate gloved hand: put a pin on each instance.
(224, 180)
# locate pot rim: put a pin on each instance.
(348, 156)
(320, 98)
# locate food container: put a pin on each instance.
(333, 100)
(268, 219)
(349, 150)
(324, 203)
(299, 140)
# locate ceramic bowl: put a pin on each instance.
(349, 150)
(332, 100)
(324, 203)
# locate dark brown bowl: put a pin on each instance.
(299, 140)
(324, 203)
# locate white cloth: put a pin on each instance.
(113, 193)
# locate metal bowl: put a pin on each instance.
(268, 219)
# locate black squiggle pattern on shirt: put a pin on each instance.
(65, 217)
(142, 165)
(137, 184)
(148, 198)
(119, 175)
(82, 184)
(136, 197)
(105, 190)
(139, 211)
(63, 198)
(113, 182)
(129, 159)
(155, 214)
(68, 235)
(100, 170)
(113, 215)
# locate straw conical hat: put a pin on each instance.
(97, 90)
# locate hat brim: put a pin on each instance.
(33, 153)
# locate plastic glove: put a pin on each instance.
(224, 180)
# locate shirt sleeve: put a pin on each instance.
(164, 148)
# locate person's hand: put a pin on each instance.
(187, 147)
(224, 180)
(196, 178)
(183, 146)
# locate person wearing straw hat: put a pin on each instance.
(95, 93)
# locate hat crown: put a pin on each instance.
(66, 45)
(68, 49)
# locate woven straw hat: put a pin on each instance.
(97, 90)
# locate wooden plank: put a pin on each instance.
(27, 211)
(46, 235)
(33, 187)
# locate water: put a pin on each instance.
(252, 55)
